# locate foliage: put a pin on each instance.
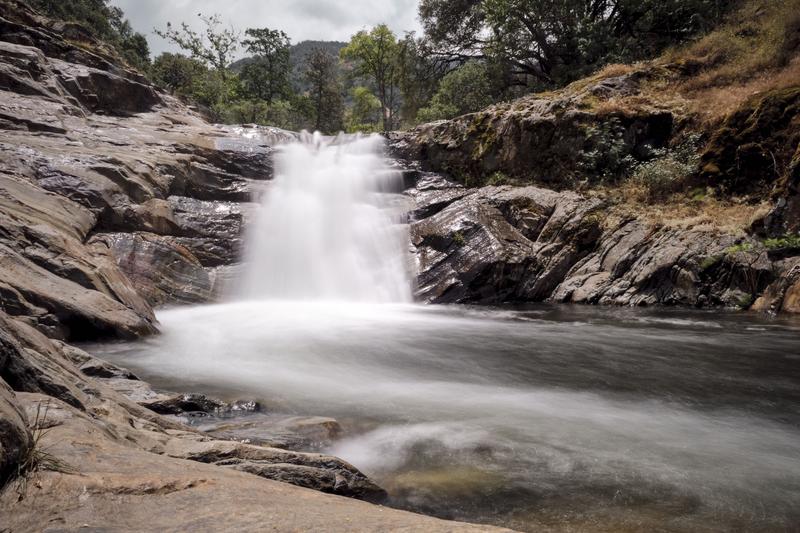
(291, 114)
(668, 170)
(784, 241)
(552, 42)
(176, 73)
(418, 78)
(464, 90)
(325, 91)
(606, 153)
(105, 22)
(214, 46)
(364, 114)
(266, 77)
(498, 178)
(375, 54)
(739, 248)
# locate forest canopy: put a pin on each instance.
(472, 53)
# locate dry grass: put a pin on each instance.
(679, 210)
(755, 51)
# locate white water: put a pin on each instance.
(574, 419)
(331, 226)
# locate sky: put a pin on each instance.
(323, 20)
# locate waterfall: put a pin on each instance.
(331, 226)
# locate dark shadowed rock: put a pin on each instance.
(15, 437)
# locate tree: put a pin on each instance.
(375, 54)
(214, 47)
(326, 92)
(105, 22)
(177, 73)
(556, 41)
(365, 113)
(418, 77)
(266, 76)
(464, 90)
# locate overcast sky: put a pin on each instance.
(324, 20)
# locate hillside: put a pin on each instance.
(699, 144)
(297, 56)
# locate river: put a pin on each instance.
(540, 418)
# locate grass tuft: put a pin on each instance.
(38, 459)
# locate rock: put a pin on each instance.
(557, 140)
(274, 430)
(782, 295)
(15, 437)
(176, 404)
(162, 270)
(114, 482)
(761, 134)
(527, 244)
(502, 244)
(320, 472)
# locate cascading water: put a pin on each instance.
(544, 419)
(330, 227)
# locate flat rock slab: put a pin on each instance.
(119, 487)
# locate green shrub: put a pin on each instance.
(786, 241)
(498, 178)
(668, 171)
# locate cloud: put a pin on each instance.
(326, 20)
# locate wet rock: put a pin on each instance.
(319, 472)
(183, 403)
(502, 244)
(275, 430)
(162, 270)
(525, 244)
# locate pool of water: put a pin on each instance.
(548, 418)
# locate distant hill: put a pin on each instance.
(297, 56)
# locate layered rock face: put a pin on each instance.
(528, 244)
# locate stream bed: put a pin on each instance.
(544, 418)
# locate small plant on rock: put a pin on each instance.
(668, 170)
(38, 459)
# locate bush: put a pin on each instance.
(464, 90)
(668, 171)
